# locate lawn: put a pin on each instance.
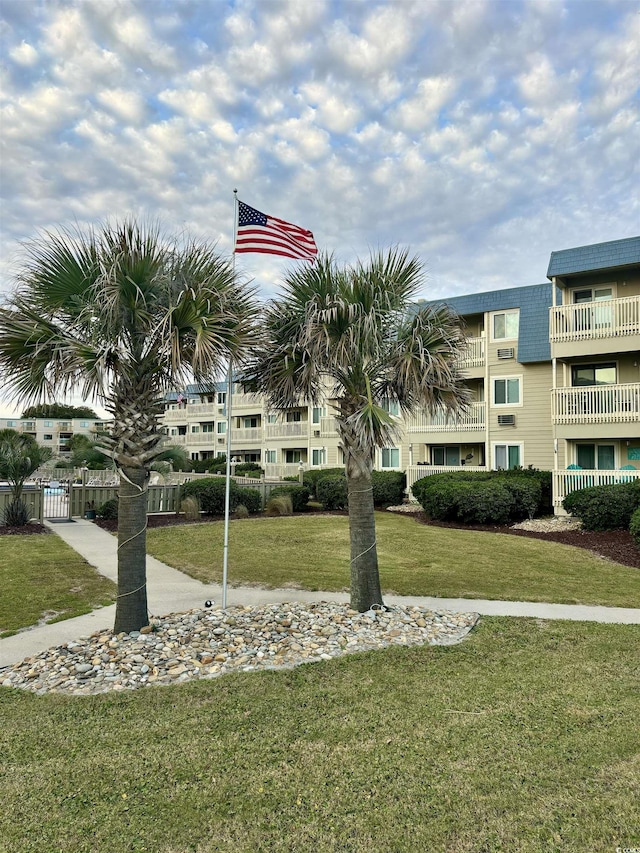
(523, 737)
(312, 552)
(42, 578)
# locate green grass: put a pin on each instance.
(313, 553)
(43, 578)
(522, 738)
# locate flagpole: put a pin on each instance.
(225, 550)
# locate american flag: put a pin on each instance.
(258, 232)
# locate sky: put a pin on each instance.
(480, 134)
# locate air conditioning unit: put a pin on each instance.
(506, 420)
(506, 352)
(221, 440)
(316, 433)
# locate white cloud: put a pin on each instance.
(24, 54)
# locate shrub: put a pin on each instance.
(332, 492)
(388, 487)
(545, 478)
(279, 505)
(488, 502)
(299, 496)
(241, 511)
(634, 528)
(109, 509)
(190, 506)
(251, 498)
(218, 466)
(438, 495)
(249, 469)
(16, 513)
(604, 507)
(526, 493)
(311, 478)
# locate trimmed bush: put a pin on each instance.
(249, 469)
(299, 496)
(490, 502)
(109, 510)
(604, 507)
(634, 528)
(241, 511)
(218, 466)
(210, 492)
(526, 493)
(388, 487)
(332, 492)
(544, 478)
(438, 495)
(310, 478)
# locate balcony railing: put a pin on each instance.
(597, 404)
(246, 434)
(473, 419)
(275, 471)
(474, 356)
(565, 482)
(590, 320)
(417, 472)
(297, 429)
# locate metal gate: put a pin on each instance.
(56, 501)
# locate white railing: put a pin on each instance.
(244, 401)
(565, 482)
(246, 434)
(473, 419)
(275, 471)
(296, 429)
(474, 356)
(589, 320)
(597, 404)
(417, 472)
(175, 415)
(327, 426)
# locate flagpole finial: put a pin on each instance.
(235, 190)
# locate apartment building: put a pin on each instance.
(55, 433)
(553, 370)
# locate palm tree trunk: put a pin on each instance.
(365, 580)
(131, 604)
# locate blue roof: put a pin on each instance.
(533, 301)
(599, 256)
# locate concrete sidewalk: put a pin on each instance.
(171, 591)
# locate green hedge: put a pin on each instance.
(482, 497)
(249, 469)
(634, 528)
(388, 487)
(332, 492)
(604, 507)
(299, 496)
(210, 493)
(310, 478)
(109, 509)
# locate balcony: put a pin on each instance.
(474, 356)
(296, 429)
(597, 404)
(246, 401)
(246, 435)
(577, 329)
(327, 426)
(473, 419)
(565, 482)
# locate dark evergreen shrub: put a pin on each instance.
(310, 478)
(249, 469)
(109, 509)
(527, 495)
(210, 493)
(634, 528)
(545, 506)
(388, 487)
(438, 495)
(251, 498)
(332, 492)
(604, 507)
(299, 496)
(16, 513)
(218, 466)
(489, 502)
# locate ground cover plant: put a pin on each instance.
(43, 578)
(312, 552)
(521, 738)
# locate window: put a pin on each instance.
(195, 428)
(318, 412)
(48, 437)
(317, 456)
(504, 326)
(221, 427)
(445, 456)
(506, 391)
(390, 457)
(271, 456)
(84, 424)
(596, 456)
(507, 456)
(592, 294)
(48, 423)
(10, 424)
(207, 427)
(250, 423)
(272, 419)
(222, 398)
(293, 417)
(391, 406)
(174, 431)
(293, 456)
(593, 374)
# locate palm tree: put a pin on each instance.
(20, 457)
(122, 315)
(351, 335)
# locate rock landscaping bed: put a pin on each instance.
(208, 643)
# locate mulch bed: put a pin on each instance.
(29, 529)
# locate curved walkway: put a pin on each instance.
(171, 591)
